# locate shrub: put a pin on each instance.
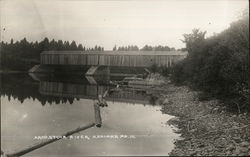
(218, 65)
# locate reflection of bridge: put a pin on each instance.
(88, 91)
(133, 59)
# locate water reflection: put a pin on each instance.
(53, 105)
(66, 88)
(22, 86)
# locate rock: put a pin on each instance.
(230, 147)
(243, 150)
(237, 139)
(201, 145)
(240, 115)
(244, 154)
(228, 152)
(240, 150)
(215, 109)
(192, 130)
(166, 101)
(244, 144)
(237, 151)
(192, 153)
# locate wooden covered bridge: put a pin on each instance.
(131, 59)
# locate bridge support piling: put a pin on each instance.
(42, 69)
(98, 70)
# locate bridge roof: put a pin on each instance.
(155, 53)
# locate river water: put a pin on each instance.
(39, 106)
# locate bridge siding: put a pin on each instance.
(110, 60)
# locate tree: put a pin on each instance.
(61, 46)
(147, 48)
(194, 40)
(52, 45)
(96, 48)
(218, 65)
(172, 49)
(66, 45)
(80, 47)
(114, 48)
(73, 45)
(11, 41)
(99, 48)
(45, 44)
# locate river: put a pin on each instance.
(33, 107)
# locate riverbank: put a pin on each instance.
(205, 126)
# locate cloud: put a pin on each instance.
(108, 23)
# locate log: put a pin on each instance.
(98, 119)
(2, 154)
(100, 98)
(101, 102)
(105, 93)
(39, 145)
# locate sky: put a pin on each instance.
(116, 22)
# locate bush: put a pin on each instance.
(154, 68)
(218, 65)
(165, 71)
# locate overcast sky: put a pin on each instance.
(121, 22)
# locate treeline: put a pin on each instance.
(219, 65)
(157, 48)
(145, 48)
(126, 48)
(22, 55)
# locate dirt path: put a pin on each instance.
(205, 128)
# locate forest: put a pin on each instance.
(218, 65)
(145, 48)
(22, 55)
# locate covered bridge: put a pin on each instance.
(112, 58)
(51, 61)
